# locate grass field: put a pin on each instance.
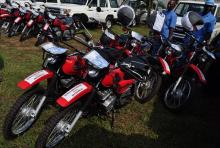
(136, 126)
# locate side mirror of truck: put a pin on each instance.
(98, 9)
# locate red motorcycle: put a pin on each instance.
(186, 74)
(101, 91)
(60, 71)
(20, 22)
(33, 26)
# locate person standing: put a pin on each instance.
(204, 34)
(168, 26)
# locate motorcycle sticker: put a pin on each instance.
(35, 76)
(30, 22)
(74, 92)
(46, 26)
(17, 19)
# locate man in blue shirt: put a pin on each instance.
(168, 26)
(170, 21)
(204, 34)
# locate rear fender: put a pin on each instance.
(165, 66)
(74, 94)
(199, 73)
(35, 78)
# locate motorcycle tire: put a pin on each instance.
(9, 130)
(25, 34)
(177, 101)
(155, 87)
(53, 125)
(40, 40)
(13, 30)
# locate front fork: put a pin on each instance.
(49, 91)
(79, 114)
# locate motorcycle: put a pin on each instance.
(56, 28)
(102, 91)
(59, 74)
(20, 21)
(179, 92)
(33, 26)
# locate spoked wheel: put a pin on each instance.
(57, 128)
(147, 89)
(25, 33)
(176, 99)
(22, 114)
(13, 30)
(40, 39)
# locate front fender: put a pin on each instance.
(165, 66)
(198, 72)
(35, 78)
(74, 94)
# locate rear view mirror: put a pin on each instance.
(98, 9)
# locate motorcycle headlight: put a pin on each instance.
(93, 73)
(49, 60)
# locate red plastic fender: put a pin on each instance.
(165, 66)
(35, 78)
(74, 94)
(199, 73)
(4, 15)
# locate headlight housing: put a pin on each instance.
(93, 73)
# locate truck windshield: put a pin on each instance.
(80, 2)
(183, 8)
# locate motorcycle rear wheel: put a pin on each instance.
(19, 118)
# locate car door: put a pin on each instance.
(91, 9)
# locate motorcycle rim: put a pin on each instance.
(176, 99)
(24, 118)
(59, 132)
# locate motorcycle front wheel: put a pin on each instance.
(176, 99)
(57, 128)
(25, 34)
(20, 117)
(147, 89)
(13, 30)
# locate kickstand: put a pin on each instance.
(113, 119)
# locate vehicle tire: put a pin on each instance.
(109, 21)
(57, 124)
(25, 34)
(178, 100)
(13, 30)
(40, 40)
(147, 89)
(23, 105)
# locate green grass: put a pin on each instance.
(136, 126)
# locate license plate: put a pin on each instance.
(30, 22)
(35, 76)
(17, 19)
(74, 92)
(46, 26)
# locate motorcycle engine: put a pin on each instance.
(107, 99)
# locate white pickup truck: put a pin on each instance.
(85, 8)
(197, 6)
